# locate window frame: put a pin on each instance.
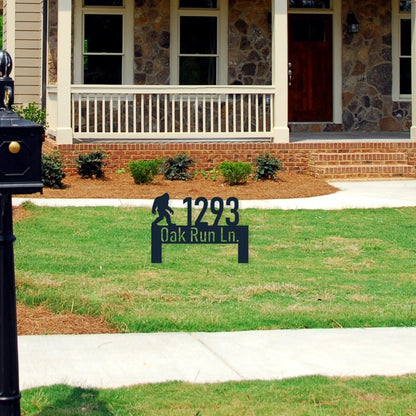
(127, 54)
(221, 13)
(397, 17)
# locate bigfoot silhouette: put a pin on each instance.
(161, 204)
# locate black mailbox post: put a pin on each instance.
(20, 173)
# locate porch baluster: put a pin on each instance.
(134, 110)
(111, 102)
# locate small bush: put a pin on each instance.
(177, 168)
(235, 173)
(33, 113)
(144, 171)
(52, 170)
(91, 164)
(267, 166)
(212, 174)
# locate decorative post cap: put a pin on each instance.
(6, 83)
(6, 64)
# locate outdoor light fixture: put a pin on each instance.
(353, 25)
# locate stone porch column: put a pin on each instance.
(413, 128)
(64, 48)
(279, 70)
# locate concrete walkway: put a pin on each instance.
(111, 361)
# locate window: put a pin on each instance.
(199, 47)
(102, 51)
(405, 57)
(198, 55)
(402, 62)
(405, 6)
(309, 4)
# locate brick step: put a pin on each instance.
(379, 158)
(363, 171)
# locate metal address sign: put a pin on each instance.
(199, 232)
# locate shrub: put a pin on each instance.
(176, 168)
(212, 174)
(91, 164)
(235, 173)
(144, 171)
(267, 166)
(33, 113)
(52, 170)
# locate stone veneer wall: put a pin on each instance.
(151, 42)
(52, 41)
(249, 41)
(367, 71)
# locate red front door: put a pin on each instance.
(310, 68)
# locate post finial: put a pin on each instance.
(6, 64)
(6, 83)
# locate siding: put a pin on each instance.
(28, 52)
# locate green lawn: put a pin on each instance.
(307, 269)
(294, 397)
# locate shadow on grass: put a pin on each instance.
(78, 402)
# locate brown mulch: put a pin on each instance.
(40, 320)
(115, 185)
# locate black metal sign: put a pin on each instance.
(200, 231)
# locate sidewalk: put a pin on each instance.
(111, 361)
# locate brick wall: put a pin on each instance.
(296, 157)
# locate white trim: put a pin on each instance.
(127, 11)
(63, 98)
(337, 61)
(279, 70)
(395, 30)
(222, 42)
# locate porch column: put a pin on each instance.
(279, 70)
(64, 47)
(413, 128)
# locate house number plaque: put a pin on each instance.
(199, 231)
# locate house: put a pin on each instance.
(213, 69)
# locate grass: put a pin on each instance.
(307, 269)
(293, 397)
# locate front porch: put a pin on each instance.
(255, 63)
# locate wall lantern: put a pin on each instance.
(353, 25)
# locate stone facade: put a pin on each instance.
(249, 42)
(52, 41)
(151, 42)
(367, 71)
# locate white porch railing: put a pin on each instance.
(172, 112)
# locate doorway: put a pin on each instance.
(310, 68)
